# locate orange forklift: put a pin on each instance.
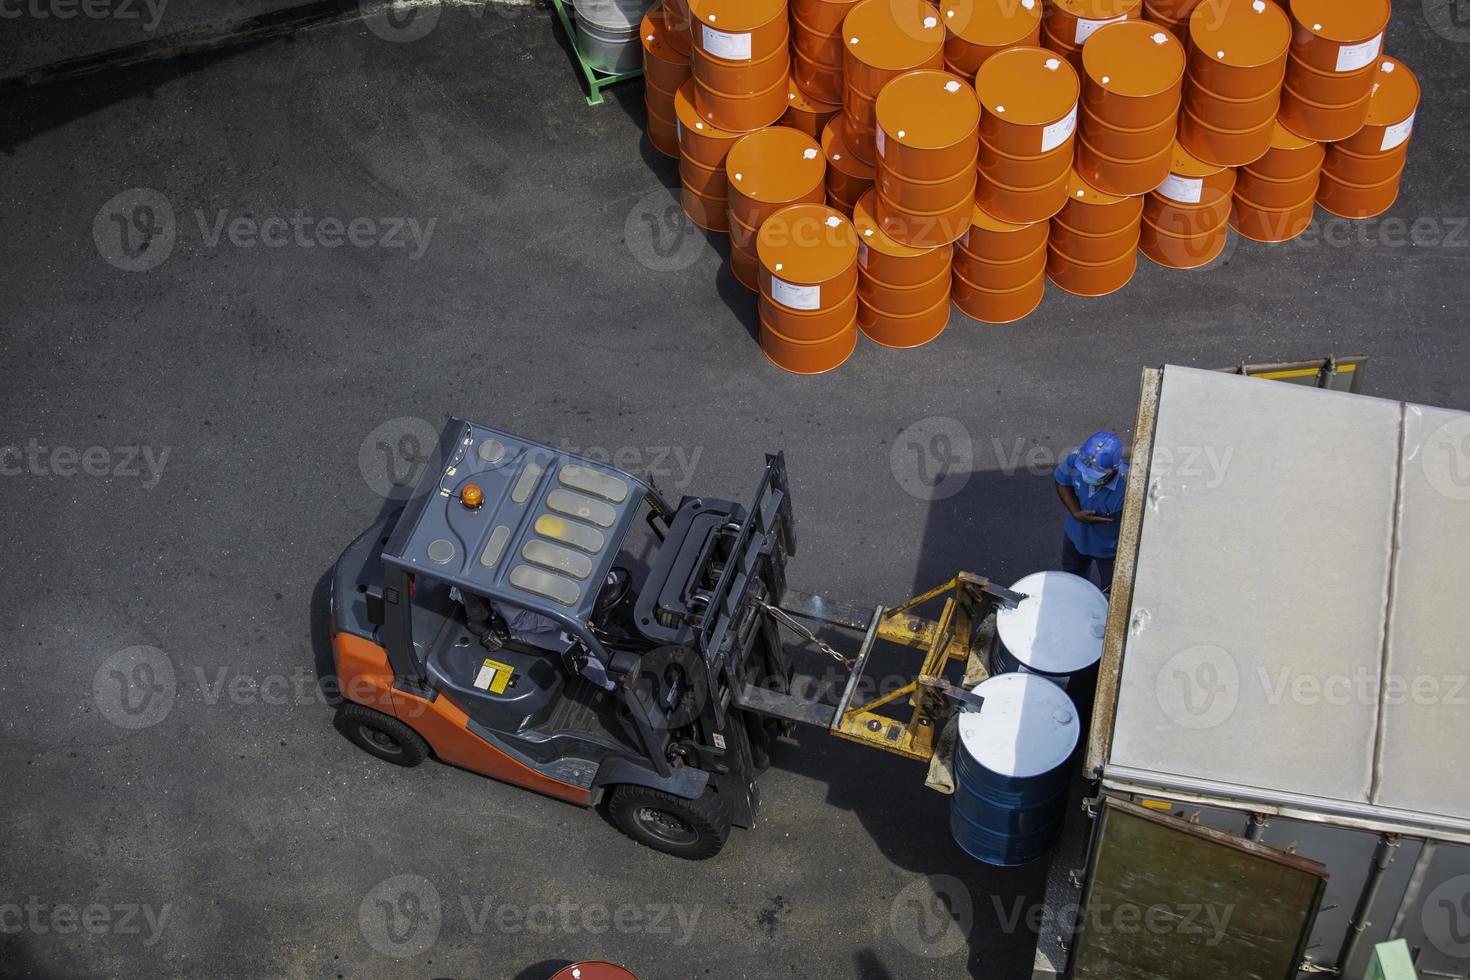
(553, 622)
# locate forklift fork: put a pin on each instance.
(961, 632)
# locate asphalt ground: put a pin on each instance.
(236, 288)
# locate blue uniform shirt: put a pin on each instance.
(1094, 540)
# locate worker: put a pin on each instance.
(1091, 483)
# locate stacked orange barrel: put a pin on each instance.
(677, 20)
(741, 62)
(806, 113)
(1172, 15)
(928, 145)
(807, 255)
(1186, 219)
(1275, 196)
(767, 170)
(1092, 246)
(1361, 174)
(817, 46)
(999, 269)
(1332, 66)
(1237, 59)
(1133, 76)
(665, 70)
(702, 151)
(848, 178)
(903, 292)
(884, 39)
(1027, 134)
(1070, 24)
(976, 29)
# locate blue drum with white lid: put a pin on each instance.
(1010, 769)
(1056, 631)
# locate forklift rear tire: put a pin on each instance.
(692, 829)
(381, 735)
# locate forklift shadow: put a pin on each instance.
(1001, 525)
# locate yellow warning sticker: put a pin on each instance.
(494, 676)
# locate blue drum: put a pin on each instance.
(1057, 631)
(1010, 769)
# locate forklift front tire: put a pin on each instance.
(381, 735)
(692, 829)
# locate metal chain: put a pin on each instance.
(785, 619)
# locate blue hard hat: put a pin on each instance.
(1099, 455)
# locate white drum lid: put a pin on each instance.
(1027, 727)
(1059, 628)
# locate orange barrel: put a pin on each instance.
(1360, 176)
(976, 29)
(1186, 219)
(1275, 196)
(1027, 133)
(807, 262)
(1069, 24)
(1133, 76)
(740, 61)
(1331, 68)
(676, 18)
(884, 39)
(848, 178)
(765, 171)
(927, 142)
(903, 292)
(999, 269)
(1232, 91)
(702, 151)
(1173, 15)
(1092, 245)
(665, 69)
(817, 45)
(807, 114)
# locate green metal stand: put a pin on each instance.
(596, 80)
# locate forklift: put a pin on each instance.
(545, 619)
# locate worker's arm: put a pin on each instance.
(1068, 496)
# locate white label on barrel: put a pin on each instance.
(1059, 132)
(1185, 190)
(1351, 57)
(863, 254)
(880, 140)
(1086, 28)
(731, 47)
(794, 296)
(1394, 136)
(965, 238)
